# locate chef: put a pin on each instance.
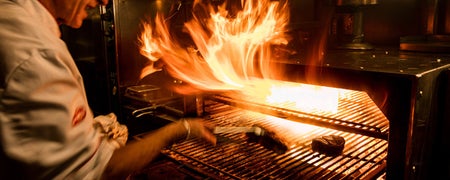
(47, 130)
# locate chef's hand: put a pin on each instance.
(197, 127)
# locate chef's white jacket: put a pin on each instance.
(47, 130)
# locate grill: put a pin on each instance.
(236, 156)
(387, 137)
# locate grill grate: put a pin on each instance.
(237, 158)
(356, 113)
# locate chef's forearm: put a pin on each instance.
(138, 154)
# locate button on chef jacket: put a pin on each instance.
(47, 130)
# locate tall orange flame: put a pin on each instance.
(229, 49)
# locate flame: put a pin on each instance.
(228, 50)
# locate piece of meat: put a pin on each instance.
(270, 140)
(331, 145)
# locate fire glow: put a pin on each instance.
(229, 50)
(308, 98)
(294, 96)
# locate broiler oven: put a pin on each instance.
(390, 106)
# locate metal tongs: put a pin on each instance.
(258, 131)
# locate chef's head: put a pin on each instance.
(71, 12)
